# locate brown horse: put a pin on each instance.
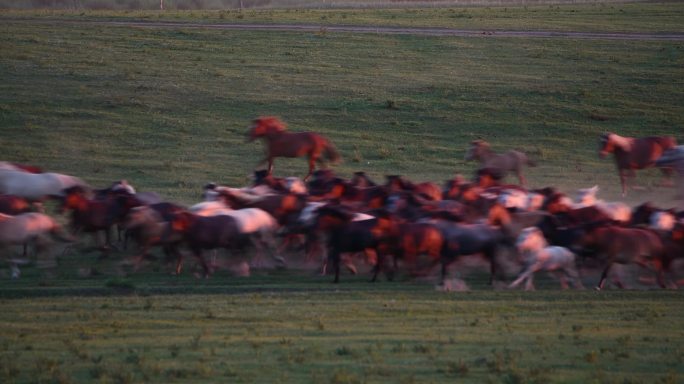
(511, 161)
(635, 153)
(408, 241)
(280, 143)
(622, 245)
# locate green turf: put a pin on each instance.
(168, 110)
(390, 332)
(600, 17)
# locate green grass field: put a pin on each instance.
(168, 109)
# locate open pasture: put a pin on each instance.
(168, 109)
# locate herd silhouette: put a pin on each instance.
(327, 221)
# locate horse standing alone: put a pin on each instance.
(635, 153)
(280, 143)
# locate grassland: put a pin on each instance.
(595, 17)
(168, 109)
(390, 333)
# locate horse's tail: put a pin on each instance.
(330, 152)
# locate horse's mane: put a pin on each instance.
(271, 122)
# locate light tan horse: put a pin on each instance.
(511, 161)
(36, 186)
(26, 228)
(280, 143)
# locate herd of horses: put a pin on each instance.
(418, 228)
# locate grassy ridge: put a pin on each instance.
(168, 109)
(596, 17)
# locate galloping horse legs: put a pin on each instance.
(603, 277)
(312, 166)
(621, 172)
(270, 166)
(335, 258)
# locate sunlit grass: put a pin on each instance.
(168, 109)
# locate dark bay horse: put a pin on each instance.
(615, 244)
(95, 216)
(346, 235)
(280, 143)
(635, 153)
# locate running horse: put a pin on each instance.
(498, 165)
(280, 143)
(635, 153)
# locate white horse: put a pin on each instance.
(521, 200)
(538, 255)
(25, 228)
(36, 186)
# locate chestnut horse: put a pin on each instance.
(635, 153)
(280, 143)
(614, 244)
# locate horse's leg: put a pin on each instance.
(179, 263)
(573, 275)
(335, 258)
(376, 269)
(521, 177)
(270, 165)
(660, 272)
(522, 276)
(491, 255)
(205, 267)
(445, 267)
(312, 166)
(621, 173)
(667, 174)
(529, 285)
(602, 281)
(349, 263)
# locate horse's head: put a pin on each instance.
(498, 215)
(476, 150)
(360, 179)
(332, 217)
(663, 220)
(265, 126)
(396, 183)
(587, 196)
(489, 177)
(531, 239)
(606, 145)
(73, 198)
(556, 203)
